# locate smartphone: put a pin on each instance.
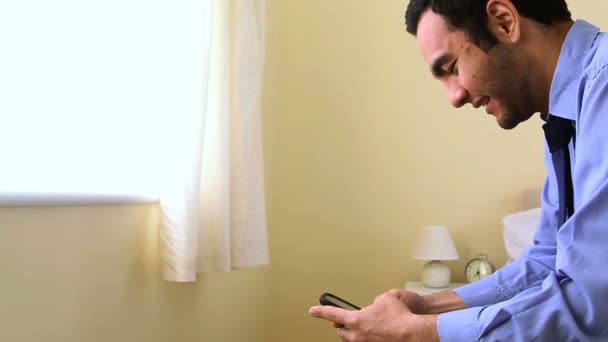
(330, 299)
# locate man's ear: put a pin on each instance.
(503, 20)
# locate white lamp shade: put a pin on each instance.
(435, 244)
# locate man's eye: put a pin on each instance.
(452, 70)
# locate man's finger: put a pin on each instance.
(330, 313)
(345, 334)
(337, 326)
(397, 292)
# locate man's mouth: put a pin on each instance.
(481, 102)
(490, 107)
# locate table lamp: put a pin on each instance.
(435, 245)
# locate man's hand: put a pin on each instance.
(388, 319)
(415, 302)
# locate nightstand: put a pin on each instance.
(416, 286)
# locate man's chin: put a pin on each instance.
(507, 125)
(508, 122)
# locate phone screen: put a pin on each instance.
(330, 299)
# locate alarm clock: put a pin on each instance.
(478, 268)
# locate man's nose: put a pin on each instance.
(457, 94)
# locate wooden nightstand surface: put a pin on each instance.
(416, 286)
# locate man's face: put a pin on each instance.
(496, 79)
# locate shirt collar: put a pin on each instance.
(563, 96)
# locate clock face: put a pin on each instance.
(478, 269)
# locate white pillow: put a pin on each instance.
(518, 231)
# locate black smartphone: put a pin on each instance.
(330, 299)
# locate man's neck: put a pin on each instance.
(544, 45)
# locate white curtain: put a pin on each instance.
(213, 207)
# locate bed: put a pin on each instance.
(518, 228)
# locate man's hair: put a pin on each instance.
(470, 15)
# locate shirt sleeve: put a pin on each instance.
(558, 291)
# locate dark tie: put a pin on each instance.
(559, 132)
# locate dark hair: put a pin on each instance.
(470, 15)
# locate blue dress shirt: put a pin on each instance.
(558, 289)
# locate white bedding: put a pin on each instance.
(518, 231)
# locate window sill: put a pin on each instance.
(33, 199)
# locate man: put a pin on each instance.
(517, 58)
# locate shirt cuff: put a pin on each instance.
(457, 326)
(480, 293)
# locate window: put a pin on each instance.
(93, 94)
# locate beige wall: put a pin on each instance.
(90, 274)
(363, 150)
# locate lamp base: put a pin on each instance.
(435, 274)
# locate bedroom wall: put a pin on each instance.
(363, 150)
(77, 274)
